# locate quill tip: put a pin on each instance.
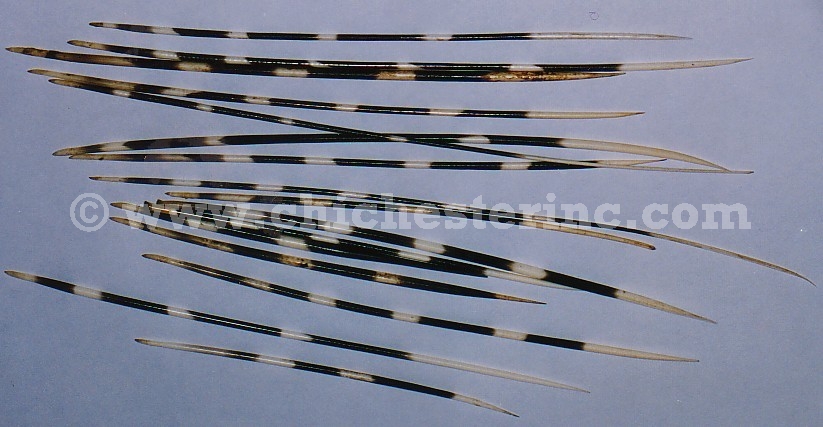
(155, 257)
(39, 71)
(126, 206)
(62, 82)
(107, 178)
(15, 274)
(518, 299)
(22, 276)
(125, 221)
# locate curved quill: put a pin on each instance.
(435, 207)
(322, 138)
(546, 161)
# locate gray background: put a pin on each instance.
(68, 360)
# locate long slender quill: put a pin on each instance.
(332, 106)
(323, 369)
(257, 35)
(257, 328)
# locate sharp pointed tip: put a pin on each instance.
(495, 408)
(97, 24)
(730, 61)
(144, 341)
(519, 299)
(702, 318)
(62, 152)
(121, 220)
(570, 388)
(22, 276)
(62, 82)
(15, 49)
(156, 257)
(126, 206)
(802, 277)
(15, 274)
(77, 43)
(622, 114)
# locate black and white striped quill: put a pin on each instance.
(415, 68)
(304, 72)
(537, 163)
(436, 208)
(399, 280)
(269, 330)
(332, 106)
(306, 124)
(431, 207)
(537, 275)
(257, 328)
(408, 317)
(323, 138)
(358, 37)
(308, 199)
(216, 220)
(377, 163)
(325, 370)
(375, 276)
(261, 226)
